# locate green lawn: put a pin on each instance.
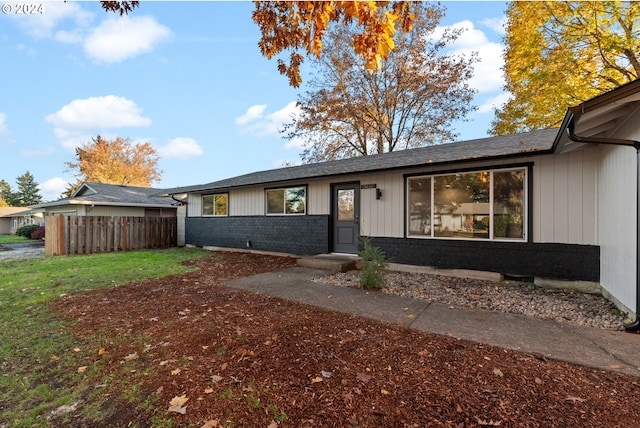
(38, 374)
(10, 239)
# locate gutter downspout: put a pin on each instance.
(635, 326)
(178, 200)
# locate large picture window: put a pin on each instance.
(468, 205)
(292, 200)
(215, 205)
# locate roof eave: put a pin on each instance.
(206, 188)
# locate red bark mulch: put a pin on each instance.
(243, 359)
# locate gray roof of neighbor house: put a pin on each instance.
(113, 195)
(528, 143)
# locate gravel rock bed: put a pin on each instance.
(509, 296)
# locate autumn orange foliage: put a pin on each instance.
(301, 25)
(117, 161)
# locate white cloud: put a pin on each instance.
(121, 38)
(99, 112)
(488, 71)
(76, 122)
(52, 188)
(253, 113)
(496, 24)
(494, 102)
(257, 123)
(70, 139)
(41, 25)
(295, 143)
(69, 36)
(181, 148)
(284, 114)
(3, 124)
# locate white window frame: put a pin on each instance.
(284, 200)
(214, 196)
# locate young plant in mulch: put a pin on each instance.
(374, 263)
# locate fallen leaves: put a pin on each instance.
(363, 377)
(131, 357)
(177, 404)
(489, 423)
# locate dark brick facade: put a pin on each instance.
(301, 235)
(309, 235)
(548, 260)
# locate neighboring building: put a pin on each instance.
(98, 199)
(13, 218)
(559, 203)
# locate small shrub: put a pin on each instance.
(38, 233)
(26, 231)
(374, 263)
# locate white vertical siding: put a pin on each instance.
(318, 197)
(617, 222)
(560, 196)
(247, 201)
(543, 200)
(575, 196)
(564, 197)
(383, 217)
(194, 205)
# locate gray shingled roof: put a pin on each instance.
(114, 195)
(485, 148)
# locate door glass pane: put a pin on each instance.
(346, 208)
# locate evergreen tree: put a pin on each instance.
(28, 193)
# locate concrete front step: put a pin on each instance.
(334, 262)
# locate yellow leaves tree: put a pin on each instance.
(117, 161)
(298, 27)
(560, 54)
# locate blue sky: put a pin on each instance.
(187, 77)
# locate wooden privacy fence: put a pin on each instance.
(87, 235)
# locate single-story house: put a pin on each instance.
(13, 218)
(560, 204)
(99, 199)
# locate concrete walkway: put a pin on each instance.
(592, 347)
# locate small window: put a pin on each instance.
(292, 200)
(215, 205)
